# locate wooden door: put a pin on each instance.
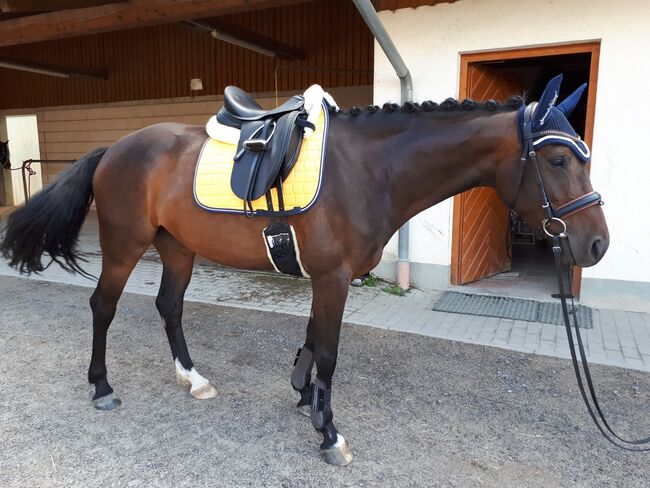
(481, 221)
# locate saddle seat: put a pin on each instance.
(239, 107)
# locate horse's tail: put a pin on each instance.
(50, 221)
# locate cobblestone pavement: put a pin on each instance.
(619, 338)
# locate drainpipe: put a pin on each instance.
(371, 18)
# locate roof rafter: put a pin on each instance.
(51, 69)
(50, 5)
(119, 16)
(246, 38)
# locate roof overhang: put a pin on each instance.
(106, 17)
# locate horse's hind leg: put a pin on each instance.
(177, 271)
(118, 260)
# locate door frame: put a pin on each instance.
(466, 59)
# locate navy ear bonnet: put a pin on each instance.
(550, 124)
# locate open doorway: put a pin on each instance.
(493, 250)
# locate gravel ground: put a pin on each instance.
(417, 411)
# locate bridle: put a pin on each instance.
(564, 272)
(528, 153)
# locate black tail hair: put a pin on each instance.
(50, 221)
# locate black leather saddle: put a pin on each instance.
(269, 143)
(240, 107)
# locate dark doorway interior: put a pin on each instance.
(3, 199)
(532, 273)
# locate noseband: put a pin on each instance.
(528, 153)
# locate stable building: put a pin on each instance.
(75, 79)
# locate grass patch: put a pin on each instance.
(394, 290)
(371, 281)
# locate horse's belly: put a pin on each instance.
(231, 240)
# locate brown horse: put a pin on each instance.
(383, 166)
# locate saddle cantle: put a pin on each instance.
(269, 142)
(239, 107)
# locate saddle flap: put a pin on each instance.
(264, 149)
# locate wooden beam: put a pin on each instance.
(50, 5)
(246, 38)
(135, 13)
(50, 69)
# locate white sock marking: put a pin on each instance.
(191, 377)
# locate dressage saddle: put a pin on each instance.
(269, 142)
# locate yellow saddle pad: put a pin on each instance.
(301, 189)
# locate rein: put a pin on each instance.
(556, 215)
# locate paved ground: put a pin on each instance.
(618, 338)
(418, 411)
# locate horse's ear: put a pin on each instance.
(547, 100)
(572, 100)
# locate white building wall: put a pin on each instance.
(431, 40)
(22, 133)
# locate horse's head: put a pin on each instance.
(4, 155)
(553, 168)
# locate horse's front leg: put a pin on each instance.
(330, 293)
(302, 368)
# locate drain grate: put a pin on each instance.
(509, 308)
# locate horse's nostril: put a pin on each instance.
(598, 248)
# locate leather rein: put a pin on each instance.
(556, 215)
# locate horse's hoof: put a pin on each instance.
(204, 392)
(108, 402)
(339, 454)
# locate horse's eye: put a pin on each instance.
(558, 161)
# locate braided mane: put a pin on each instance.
(449, 105)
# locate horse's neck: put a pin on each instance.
(433, 158)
